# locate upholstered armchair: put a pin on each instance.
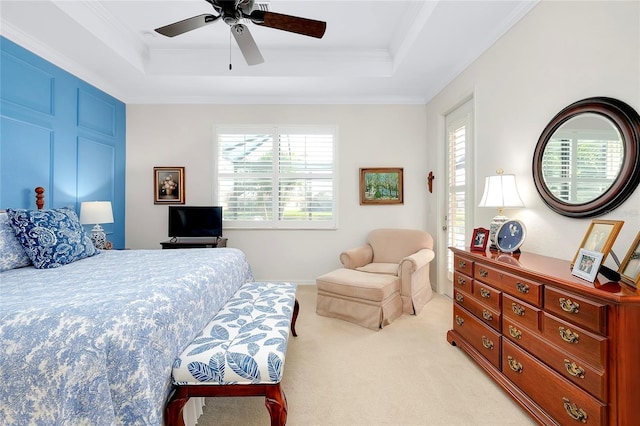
(405, 253)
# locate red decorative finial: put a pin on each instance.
(39, 197)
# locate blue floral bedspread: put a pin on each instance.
(93, 342)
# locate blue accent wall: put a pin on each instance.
(58, 132)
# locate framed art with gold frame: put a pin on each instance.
(600, 237)
(381, 186)
(168, 185)
(630, 267)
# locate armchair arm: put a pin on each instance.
(417, 260)
(356, 257)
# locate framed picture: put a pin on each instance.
(479, 239)
(600, 237)
(587, 264)
(168, 185)
(381, 186)
(630, 266)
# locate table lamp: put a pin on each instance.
(499, 191)
(97, 212)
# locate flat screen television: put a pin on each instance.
(195, 221)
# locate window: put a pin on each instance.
(459, 216)
(276, 177)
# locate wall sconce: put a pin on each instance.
(97, 212)
(499, 191)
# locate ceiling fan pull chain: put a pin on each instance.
(230, 66)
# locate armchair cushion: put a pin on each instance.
(380, 268)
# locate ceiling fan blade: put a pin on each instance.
(247, 44)
(294, 24)
(186, 25)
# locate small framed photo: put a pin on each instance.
(168, 185)
(381, 186)
(630, 267)
(479, 239)
(587, 264)
(600, 237)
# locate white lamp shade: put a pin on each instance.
(500, 191)
(94, 212)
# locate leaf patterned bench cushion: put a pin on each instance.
(246, 341)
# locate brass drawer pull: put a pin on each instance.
(514, 365)
(573, 369)
(568, 335)
(459, 297)
(459, 321)
(462, 264)
(487, 343)
(517, 309)
(573, 411)
(568, 305)
(487, 315)
(485, 293)
(461, 281)
(483, 273)
(514, 332)
(522, 288)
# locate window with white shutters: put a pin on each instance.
(276, 177)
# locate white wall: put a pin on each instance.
(369, 136)
(559, 53)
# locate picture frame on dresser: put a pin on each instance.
(587, 264)
(599, 237)
(479, 239)
(630, 267)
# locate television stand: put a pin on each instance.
(187, 243)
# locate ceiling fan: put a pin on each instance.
(232, 11)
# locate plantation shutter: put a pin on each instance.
(276, 177)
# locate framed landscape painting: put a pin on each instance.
(381, 186)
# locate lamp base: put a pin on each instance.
(98, 237)
(497, 220)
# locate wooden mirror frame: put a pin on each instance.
(627, 121)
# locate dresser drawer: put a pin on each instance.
(527, 290)
(590, 347)
(480, 336)
(487, 295)
(462, 282)
(567, 404)
(462, 264)
(582, 374)
(486, 314)
(522, 312)
(585, 313)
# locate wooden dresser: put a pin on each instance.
(568, 351)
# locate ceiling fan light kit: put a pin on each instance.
(232, 11)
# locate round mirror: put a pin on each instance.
(586, 161)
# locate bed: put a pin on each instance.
(93, 341)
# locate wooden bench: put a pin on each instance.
(241, 352)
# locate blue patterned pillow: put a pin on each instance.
(51, 238)
(12, 254)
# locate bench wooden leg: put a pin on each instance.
(173, 411)
(296, 310)
(276, 402)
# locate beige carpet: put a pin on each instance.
(338, 373)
